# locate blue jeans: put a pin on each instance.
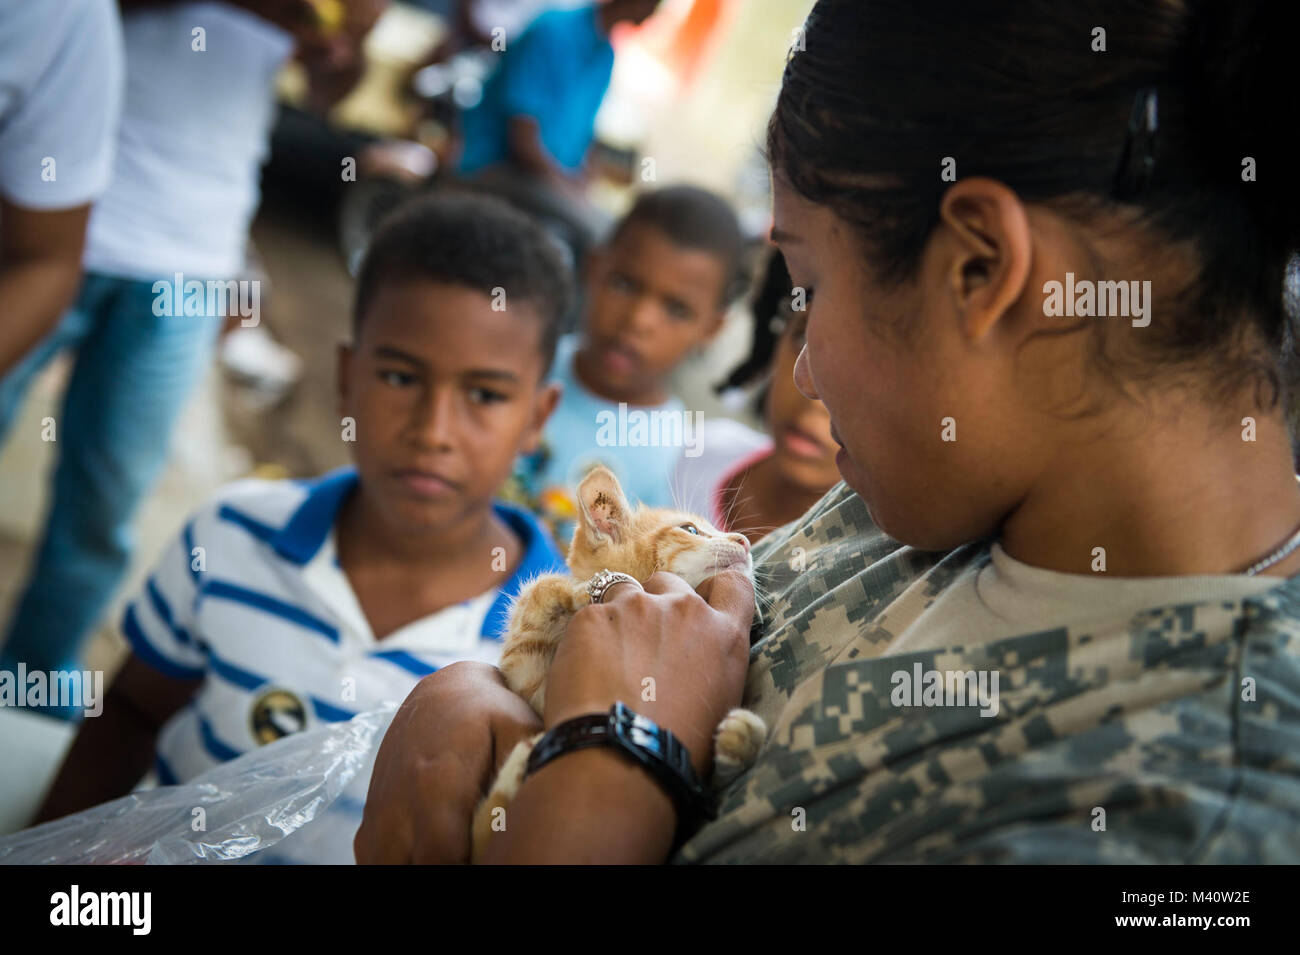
(133, 373)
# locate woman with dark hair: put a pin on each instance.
(1053, 612)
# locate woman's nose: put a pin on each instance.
(803, 376)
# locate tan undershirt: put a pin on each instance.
(1006, 597)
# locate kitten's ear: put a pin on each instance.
(603, 507)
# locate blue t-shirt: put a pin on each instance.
(640, 444)
(557, 73)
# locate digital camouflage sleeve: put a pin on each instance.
(1170, 736)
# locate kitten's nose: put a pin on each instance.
(742, 540)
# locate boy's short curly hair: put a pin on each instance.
(473, 241)
(694, 218)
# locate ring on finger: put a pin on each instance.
(602, 581)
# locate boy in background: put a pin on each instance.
(283, 605)
(657, 290)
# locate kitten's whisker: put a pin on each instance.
(748, 531)
(732, 503)
(675, 491)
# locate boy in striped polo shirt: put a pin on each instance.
(285, 605)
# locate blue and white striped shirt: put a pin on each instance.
(251, 599)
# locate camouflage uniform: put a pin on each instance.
(1143, 718)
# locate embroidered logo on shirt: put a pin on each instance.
(277, 713)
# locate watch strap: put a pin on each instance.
(655, 749)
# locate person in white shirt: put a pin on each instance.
(60, 98)
(160, 246)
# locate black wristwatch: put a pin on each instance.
(657, 750)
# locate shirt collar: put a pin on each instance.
(311, 523)
(310, 526)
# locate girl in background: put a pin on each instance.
(747, 481)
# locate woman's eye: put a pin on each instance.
(690, 528)
(483, 396)
(396, 379)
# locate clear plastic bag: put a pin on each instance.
(296, 800)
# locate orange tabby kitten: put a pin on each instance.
(641, 541)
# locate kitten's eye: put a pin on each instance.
(689, 528)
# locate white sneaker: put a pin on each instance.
(258, 360)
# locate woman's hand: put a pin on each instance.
(452, 733)
(672, 657)
(667, 654)
(440, 754)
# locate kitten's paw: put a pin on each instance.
(736, 744)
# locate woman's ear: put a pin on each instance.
(602, 507)
(994, 251)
